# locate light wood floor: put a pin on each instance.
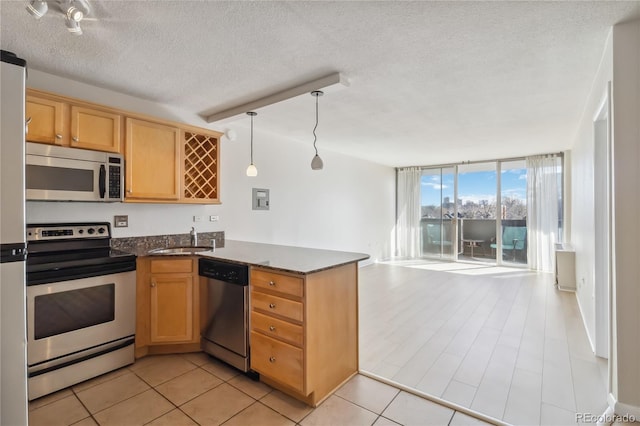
(500, 341)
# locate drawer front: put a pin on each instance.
(277, 360)
(276, 328)
(159, 266)
(276, 282)
(276, 305)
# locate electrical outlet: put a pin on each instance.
(213, 218)
(121, 221)
(197, 218)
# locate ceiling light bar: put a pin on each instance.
(326, 83)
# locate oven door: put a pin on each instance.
(67, 317)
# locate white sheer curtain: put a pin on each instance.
(408, 220)
(542, 212)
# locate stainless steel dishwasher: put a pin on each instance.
(226, 335)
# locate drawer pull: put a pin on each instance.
(272, 328)
(272, 359)
(75, 139)
(272, 283)
(272, 305)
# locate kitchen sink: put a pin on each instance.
(180, 250)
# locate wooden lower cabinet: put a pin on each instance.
(168, 307)
(304, 330)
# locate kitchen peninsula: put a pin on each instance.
(302, 311)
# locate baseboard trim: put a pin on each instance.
(626, 411)
(584, 324)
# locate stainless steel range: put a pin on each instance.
(81, 301)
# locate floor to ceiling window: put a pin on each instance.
(477, 211)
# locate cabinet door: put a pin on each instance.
(46, 121)
(95, 129)
(171, 308)
(152, 158)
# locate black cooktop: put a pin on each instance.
(67, 251)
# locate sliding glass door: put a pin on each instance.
(513, 214)
(438, 212)
(477, 189)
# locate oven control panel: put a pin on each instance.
(61, 231)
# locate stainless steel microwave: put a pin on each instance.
(55, 173)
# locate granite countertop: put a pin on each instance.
(299, 260)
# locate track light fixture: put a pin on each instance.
(252, 170)
(316, 163)
(73, 10)
(37, 8)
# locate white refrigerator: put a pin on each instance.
(13, 334)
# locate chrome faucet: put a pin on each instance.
(194, 237)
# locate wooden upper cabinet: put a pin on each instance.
(95, 129)
(46, 119)
(59, 121)
(152, 158)
(200, 155)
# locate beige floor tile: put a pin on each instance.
(64, 411)
(198, 358)
(258, 414)
(100, 379)
(461, 419)
(252, 388)
(48, 399)
(220, 369)
(138, 410)
(383, 421)
(460, 393)
(173, 418)
(337, 411)
(148, 360)
(368, 393)
(106, 394)
(552, 415)
(217, 405)
(408, 409)
(188, 386)
(164, 369)
(86, 422)
(287, 406)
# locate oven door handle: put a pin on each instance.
(102, 184)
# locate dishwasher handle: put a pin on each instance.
(222, 271)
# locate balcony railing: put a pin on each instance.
(476, 240)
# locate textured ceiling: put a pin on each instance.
(431, 82)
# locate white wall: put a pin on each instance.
(625, 387)
(347, 206)
(582, 194)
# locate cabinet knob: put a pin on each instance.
(26, 125)
(272, 328)
(153, 283)
(58, 136)
(272, 305)
(75, 139)
(272, 284)
(272, 359)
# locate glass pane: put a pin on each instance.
(437, 193)
(477, 211)
(66, 311)
(513, 181)
(59, 178)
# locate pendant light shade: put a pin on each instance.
(316, 162)
(252, 170)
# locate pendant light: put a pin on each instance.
(251, 170)
(316, 163)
